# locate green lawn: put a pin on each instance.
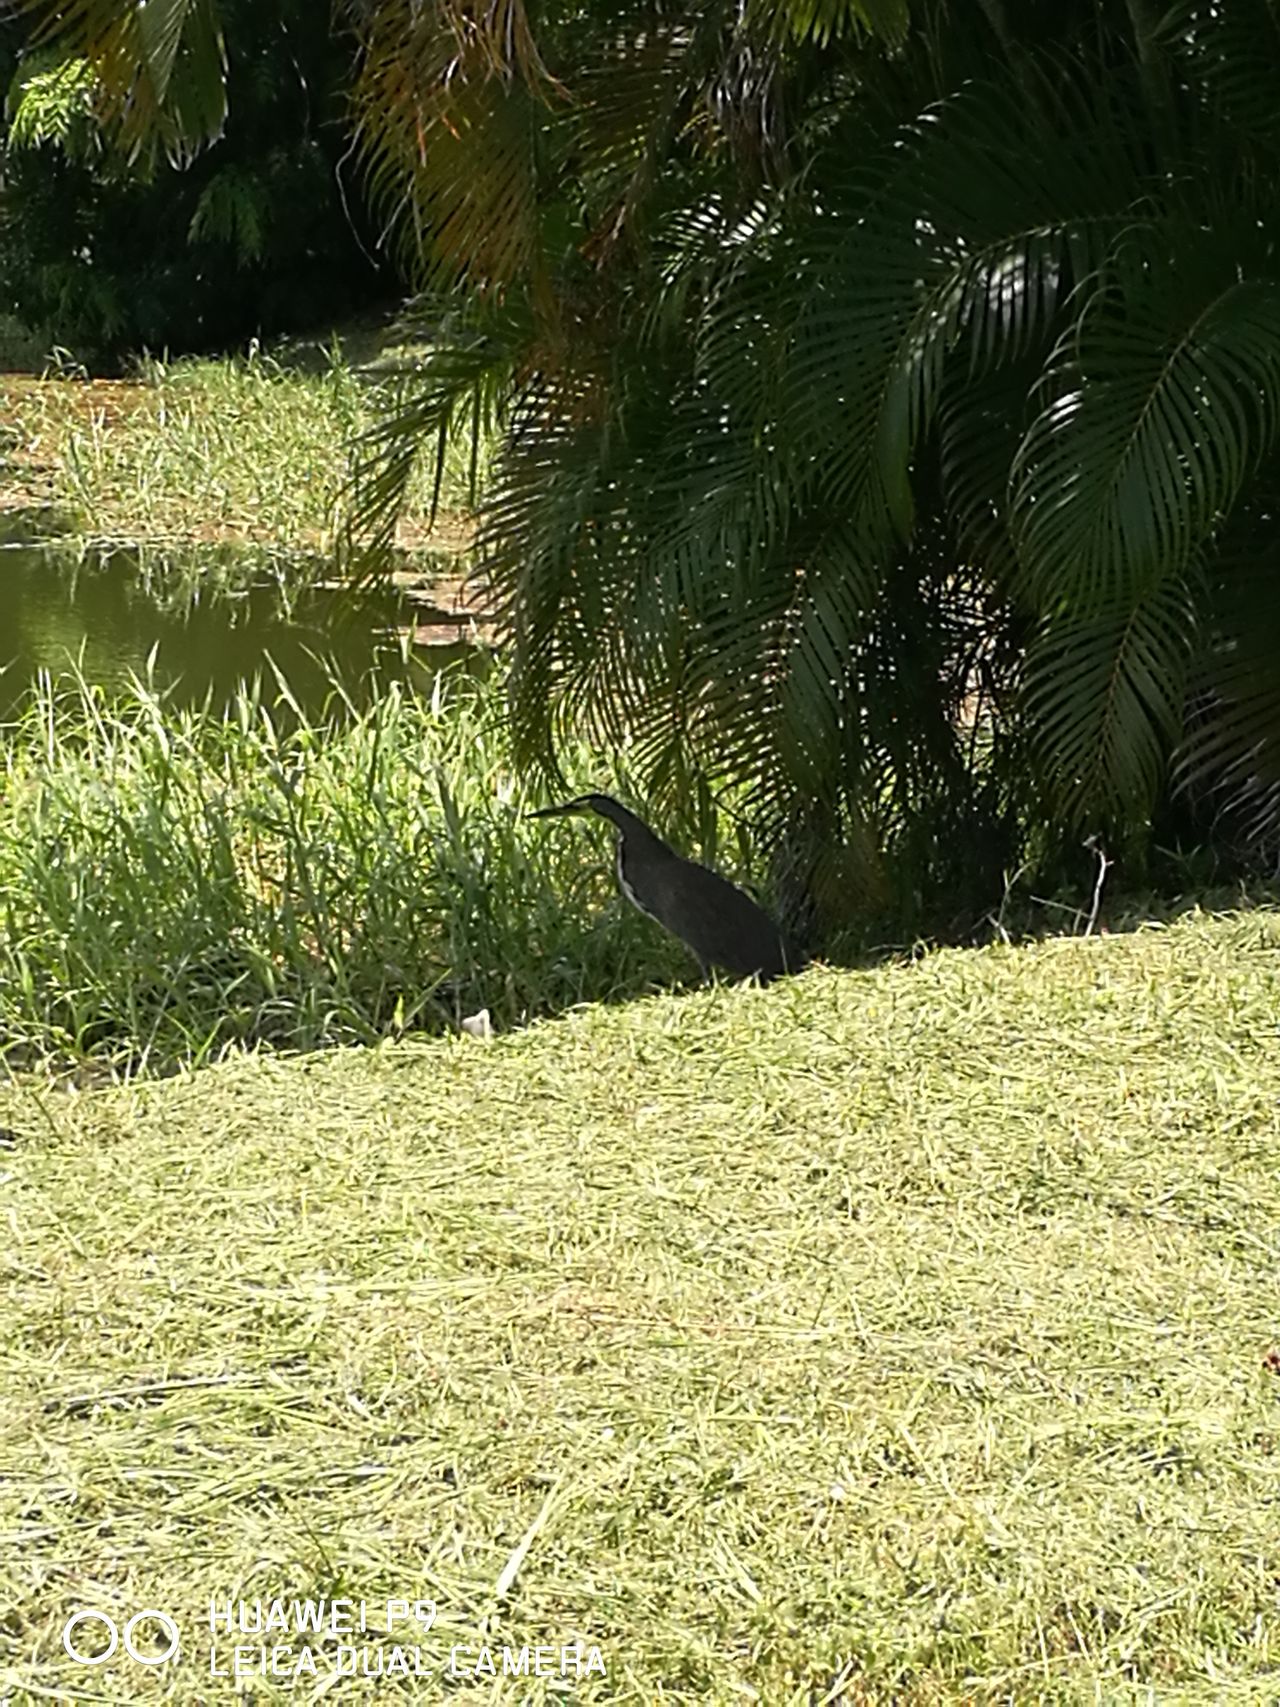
(896, 1336)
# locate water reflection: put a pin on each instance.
(210, 630)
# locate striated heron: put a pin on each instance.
(717, 921)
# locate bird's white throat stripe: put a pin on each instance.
(628, 891)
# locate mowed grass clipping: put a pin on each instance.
(903, 1335)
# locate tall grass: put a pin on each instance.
(240, 449)
(174, 882)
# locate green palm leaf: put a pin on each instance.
(160, 66)
(1156, 409)
(464, 383)
(1105, 695)
(948, 241)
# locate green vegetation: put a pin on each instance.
(19, 348)
(879, 414)
(915, 450)
(895, 1336)
(889, 397)
(251, 451)
(107, 250)
(173, 882)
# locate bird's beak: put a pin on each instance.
(556, 811)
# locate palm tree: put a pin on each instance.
(888, 398)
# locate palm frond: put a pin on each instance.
(825, 21)
(946, 241)
(160, 67)
(1231, 54)
(1105, 691)
(464, 384)
(448, 103)
(1156, 408)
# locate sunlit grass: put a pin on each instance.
(176, 881)
(221, 450)
(899, 1336)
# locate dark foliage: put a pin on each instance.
(890, 426)
(263, 232)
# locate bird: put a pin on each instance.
(710, 915)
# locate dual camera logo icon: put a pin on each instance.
(90, 1615)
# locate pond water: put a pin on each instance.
(198, 633)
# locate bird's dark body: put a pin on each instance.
(722, 926)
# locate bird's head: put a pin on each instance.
(634, 831)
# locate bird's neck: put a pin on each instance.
(639, 839)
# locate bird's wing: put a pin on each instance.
(721, 924)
